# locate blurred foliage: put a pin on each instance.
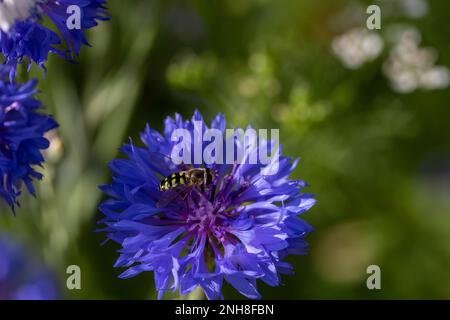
(378, 160)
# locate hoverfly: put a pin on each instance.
(179, 183)
(193, 177)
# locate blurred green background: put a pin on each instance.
(367, 111)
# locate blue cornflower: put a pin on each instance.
(22, 34)
(238, 229)
(22, 129)
(22, 277)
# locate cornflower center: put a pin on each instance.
(210, 213)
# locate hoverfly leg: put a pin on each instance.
(185, 198)
(187, 191)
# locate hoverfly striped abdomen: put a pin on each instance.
(201, 177)
(173, 181)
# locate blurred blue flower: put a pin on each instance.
(22, 127)
(23, 278)
(239, 229)
(22, 34)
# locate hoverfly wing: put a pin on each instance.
(168, 197)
